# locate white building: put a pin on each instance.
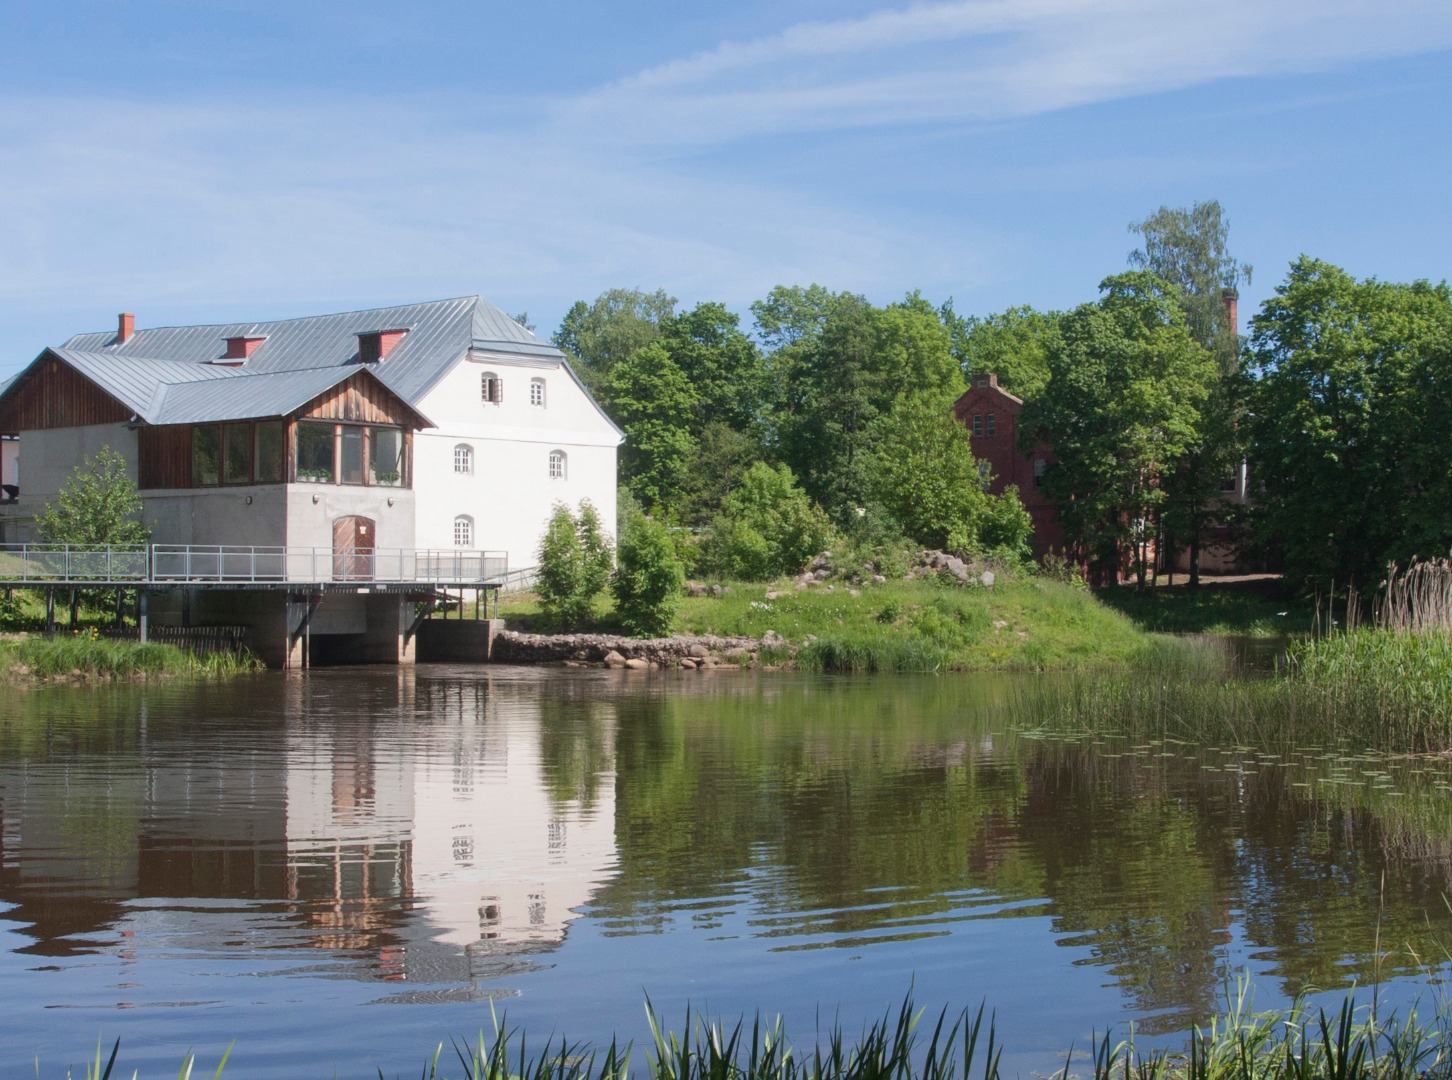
(441, 425)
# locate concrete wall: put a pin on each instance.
(217, 515)
(47, 458)
(346, 628)
(510, 492)
(310, 524)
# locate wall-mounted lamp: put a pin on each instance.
(249, 500)
(390, 500)
(316, 499)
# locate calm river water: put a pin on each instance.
(341, 869)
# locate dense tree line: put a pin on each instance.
(831, 414)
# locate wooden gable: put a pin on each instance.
(362, 399)
(52, 394)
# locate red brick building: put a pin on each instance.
(989, 413)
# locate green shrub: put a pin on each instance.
(574, 563)
(648, 578)
(767, 527)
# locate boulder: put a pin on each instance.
(614, 660)
(635, 663)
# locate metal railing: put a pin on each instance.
(48, 564)
(62, 563)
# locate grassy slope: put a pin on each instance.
(1258, 608)
(914, 625)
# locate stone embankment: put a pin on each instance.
(691, 653)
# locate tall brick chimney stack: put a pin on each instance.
(126, 326)
(1230, 297)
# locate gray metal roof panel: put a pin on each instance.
(440, 332)
(274, 393)
(138, 382)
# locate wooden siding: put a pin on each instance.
(54, 395)
(165, 457)
(361, 400)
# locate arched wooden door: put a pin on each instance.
(353, 540)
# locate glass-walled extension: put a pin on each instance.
(273, 452)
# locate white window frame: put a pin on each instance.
(537, 393)
(463, 531)
(559, 465)
(491, 388)
(463, 459)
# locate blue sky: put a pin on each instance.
(211, 160)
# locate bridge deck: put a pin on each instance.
(162, 566)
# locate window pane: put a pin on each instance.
(237, 453)
(315, 453)
(352, 455)
(269, 452)
(206, 447)
(385, 456)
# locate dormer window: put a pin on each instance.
(374, 345)
(240, 348)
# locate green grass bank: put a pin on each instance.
(86, 656)
(904, 626)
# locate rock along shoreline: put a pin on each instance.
(608, 650)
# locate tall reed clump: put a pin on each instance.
(93, 656)
(1397, 684)
(869, 654)
(1300, 1042)
(1395, 676)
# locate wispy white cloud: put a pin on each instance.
(993, 59)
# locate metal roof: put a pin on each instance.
(139, 383)
(440, 332)
(176, 392)
(269, 393)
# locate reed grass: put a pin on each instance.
(1300, 1042)
(88, 655)
(1416, 598)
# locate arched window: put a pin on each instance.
(557, 464)
(464, 459)
(463, 531)
(491, 388)
(536, 392)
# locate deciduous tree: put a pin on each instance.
(1351, 408)
(96, 507)
(1122, 406)
(1189, 249)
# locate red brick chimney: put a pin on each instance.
(126, 326)
(240, 348)
(1229, 297)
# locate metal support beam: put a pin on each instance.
(142, 615)
(419, 620)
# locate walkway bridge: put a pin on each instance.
(377, 598)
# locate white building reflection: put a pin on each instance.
(458, 841)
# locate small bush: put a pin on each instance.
(648, 578)
(767, 527)
(574, 563)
